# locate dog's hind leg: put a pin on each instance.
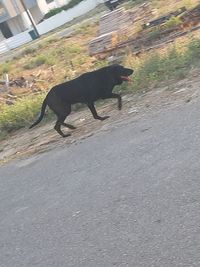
(57, 126)
(62, 113)
(72, 127)
(67, 112)
(94, 112)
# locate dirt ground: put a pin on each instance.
(43, 137)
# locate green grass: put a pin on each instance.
(172, 22)
(174, 64)
(21, 114)
(5, 68)
(53, 12)
(38, 61)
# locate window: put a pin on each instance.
(2, 10)
(49, 1)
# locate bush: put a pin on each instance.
(5, 68)
(193, 55)
(172, 65)
(28, 50)
(55, 11)
(20, 114)
(40, 60)
(172, 22)
(71, 4)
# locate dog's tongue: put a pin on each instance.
(125, 78)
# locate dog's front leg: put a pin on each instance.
(112, 95)
(94, 112)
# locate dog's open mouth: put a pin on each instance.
(125, 78)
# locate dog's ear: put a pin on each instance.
(116, 66)
(114, 72)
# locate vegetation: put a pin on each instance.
(5, 68)
(19, 115)
(156, 67)
(40, 60)
(57, 10)
(53, 12)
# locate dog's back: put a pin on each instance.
(87, 87)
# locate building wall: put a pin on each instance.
(60, 3)
(22, 38)
(1, 36)
(43, 6)
(4, 15)
(16, 25)
(13, 7)
(36, 14)
(19, 21)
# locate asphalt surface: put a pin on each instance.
(128, 196)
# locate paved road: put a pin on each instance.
(126, 197)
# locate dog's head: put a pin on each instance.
(120, 73)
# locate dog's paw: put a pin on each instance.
(71, 127)
(120, 106)
(66, 135)
(104, 118)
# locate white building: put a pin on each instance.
(13, 18)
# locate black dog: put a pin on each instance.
(87, 88)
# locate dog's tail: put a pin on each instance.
(41, 115)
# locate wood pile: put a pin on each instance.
(147, 38)
(114, 21)
(101, 43)
(109, 24)
(116, 24)
(141, 13)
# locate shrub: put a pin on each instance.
(71, 4)
(55, 11)
(172, 22)
(5, 68)
(40, 60)
(174, 64)
(193, 55)
(20, 114)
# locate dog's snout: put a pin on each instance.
(130, 71)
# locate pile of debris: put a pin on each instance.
(113, 21)
(12, 89)
(119, 23)
(18, 82)
(20, 86)
(109, 24)
(115, 25)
